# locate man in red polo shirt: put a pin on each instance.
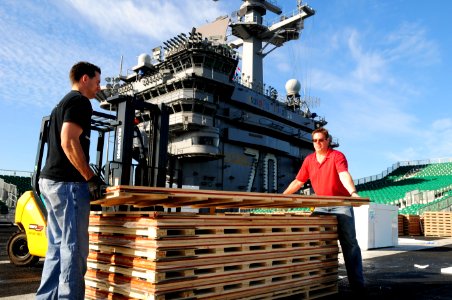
(328, 171)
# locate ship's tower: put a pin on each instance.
(255, 36)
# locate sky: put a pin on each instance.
(380, 69)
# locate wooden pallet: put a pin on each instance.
(216, 288)
(411, 225)
(438, 224)
(401, 224)
(209, 231)
(312, 291)
(209, 251)
(143, 219)
(221, 277)
(156, 273)
(95, 294)
(139, 242)
(167, 256)
(207, 258)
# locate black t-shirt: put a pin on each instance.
(76, 108)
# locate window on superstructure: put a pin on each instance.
(210, 111)
(178, 66)
(187, 62)
(198, 108)
(198, 60)
(218, 65)
(208, 63)
(187, 107)
(206, 140)
(177, 107)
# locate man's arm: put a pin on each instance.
(294, 186)
(70, 142)
(348, 183)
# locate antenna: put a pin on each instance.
(120, 66)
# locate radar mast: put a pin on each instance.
(248, 26)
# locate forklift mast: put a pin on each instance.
(43, 139)
(130, 143)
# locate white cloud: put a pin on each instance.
(370, 65)
(438, 139)
(442, 125)
(157, 19)
(363, 86)
(28, 68)
(279, 61)
(409, 44)
(407, 154)
(430, 141)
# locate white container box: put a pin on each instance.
(376, 225)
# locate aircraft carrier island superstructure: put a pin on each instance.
(227, 129)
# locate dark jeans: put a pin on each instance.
(349, 244)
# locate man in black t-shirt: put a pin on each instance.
(67, 184)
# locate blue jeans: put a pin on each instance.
(68, 209)
(349, 244)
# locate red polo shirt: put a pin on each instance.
(325, 176)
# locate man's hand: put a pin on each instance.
(354, 194)
(96, 187)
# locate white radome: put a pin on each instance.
(144, 59)
(292, 86)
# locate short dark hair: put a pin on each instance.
(82, 68)
(322, 130)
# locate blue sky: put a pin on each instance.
(381, 69)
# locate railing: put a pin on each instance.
(286, 15)
(16, 173)
(401, 164)
(270, 22)
(445, 203)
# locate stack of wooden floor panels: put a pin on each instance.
(438, 224)
(412, 225)
(401, 224)
(155, 255)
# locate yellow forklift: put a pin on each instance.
(29, 243)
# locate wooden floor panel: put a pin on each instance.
(140, 196)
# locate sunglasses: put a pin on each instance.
(318, 140)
